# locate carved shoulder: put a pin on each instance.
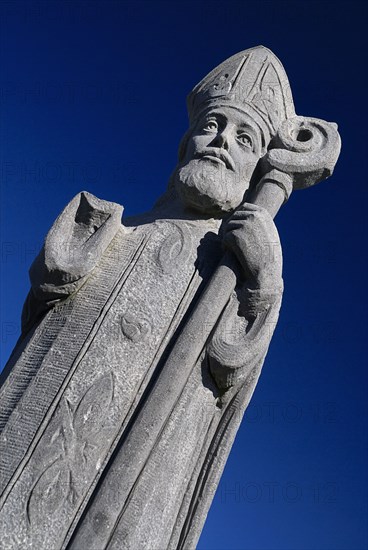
(74, 245)
(72, 249)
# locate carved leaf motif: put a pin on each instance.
(49, 492)
(176, 249)
(60, 441)
(69, 438)
(54, 450)
(94, 407)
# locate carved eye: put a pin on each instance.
(245, 139)
(210, 126)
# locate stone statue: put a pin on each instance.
(142, 342)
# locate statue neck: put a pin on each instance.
(173, 209)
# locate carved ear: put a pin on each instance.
(304, 148)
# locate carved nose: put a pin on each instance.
(221, 141)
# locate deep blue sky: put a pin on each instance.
(93, 97)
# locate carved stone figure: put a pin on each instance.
(142, 342)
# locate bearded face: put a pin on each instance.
(219, 160)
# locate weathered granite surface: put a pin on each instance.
(142, 342)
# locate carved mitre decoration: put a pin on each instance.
(253, 81)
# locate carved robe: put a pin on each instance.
(106, 305)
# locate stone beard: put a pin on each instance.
(208, 188)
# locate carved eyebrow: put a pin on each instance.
(255, 134)
(220, 120)
(217, 116)
(248, 128)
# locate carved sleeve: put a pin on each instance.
(72, 249)
(243, 334)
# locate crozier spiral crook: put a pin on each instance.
(305, 148)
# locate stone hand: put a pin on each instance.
(252, 236)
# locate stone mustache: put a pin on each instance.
(142, 342)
